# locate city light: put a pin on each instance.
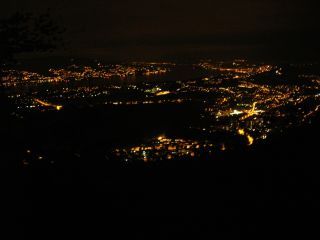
(230, 98)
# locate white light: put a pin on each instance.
(236, 112)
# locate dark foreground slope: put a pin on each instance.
(270, 188)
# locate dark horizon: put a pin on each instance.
(122, 30)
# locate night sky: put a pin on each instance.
(150, 29)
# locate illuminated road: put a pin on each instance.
(46, 104)
(251, 112)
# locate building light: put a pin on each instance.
(241, 132)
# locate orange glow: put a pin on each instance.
(163, 93)
(250, 140)
(223, 147)
(161, 138)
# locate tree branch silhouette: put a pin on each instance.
(26, 33)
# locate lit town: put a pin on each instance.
(241, 102)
